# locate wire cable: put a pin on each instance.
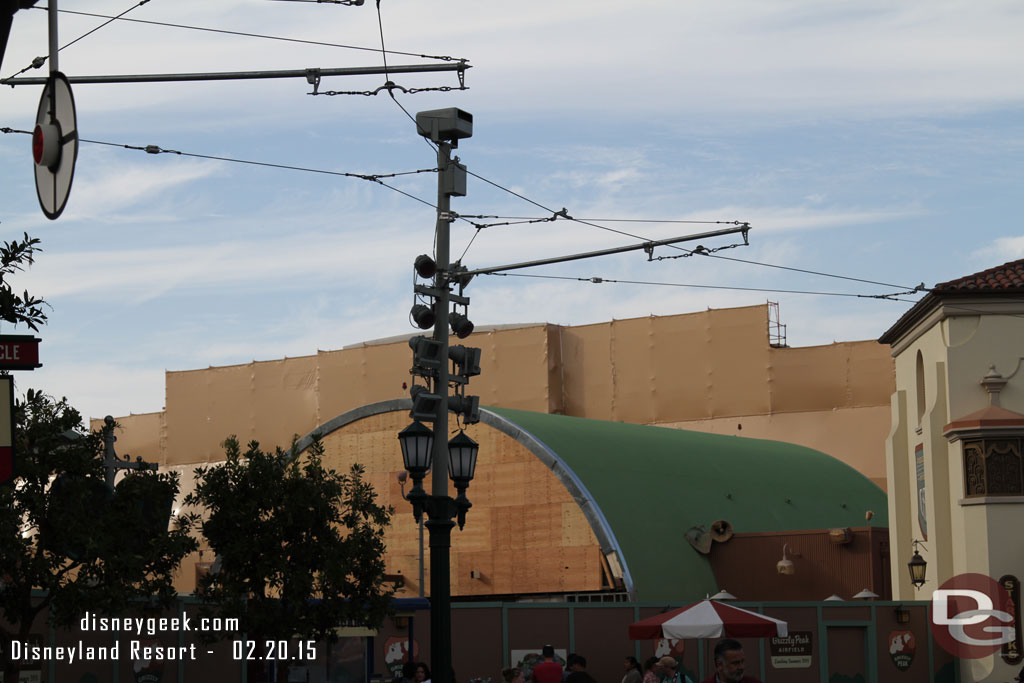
(154, 149)
(444, 58)
(592, 223)
(39, 61)
(601, 280)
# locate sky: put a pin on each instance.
(878, 141)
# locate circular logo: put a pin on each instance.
(972, 616)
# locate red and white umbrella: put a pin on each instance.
(708, 619)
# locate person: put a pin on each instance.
(633, 674)
(549, 670)
(422, 674)
(667, 669)
(408, 674)
(651, 670)
(730, 663)
(513, 675)
(577, 666)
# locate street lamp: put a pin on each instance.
(917, 566)
(417, 445)
(431, 403)
(462, 452)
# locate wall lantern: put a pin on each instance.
(785, 565)
(902, 614)
(917, 566)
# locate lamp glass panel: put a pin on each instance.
(462, 452)
(417, 442)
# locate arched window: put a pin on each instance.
(920, 387)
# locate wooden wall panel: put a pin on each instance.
(516, 533)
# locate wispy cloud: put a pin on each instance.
(1001, 250)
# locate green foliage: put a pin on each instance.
(300, 547)
(119, 558)
(19, 308)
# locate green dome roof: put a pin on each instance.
(648, 485)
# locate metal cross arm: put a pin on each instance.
(252, 75)
(110, 459)
(646, 246)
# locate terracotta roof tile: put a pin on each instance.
(1007, 277)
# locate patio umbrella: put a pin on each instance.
(708, 619)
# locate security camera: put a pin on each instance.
(451, 124)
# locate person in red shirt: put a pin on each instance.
(548, 671)
(730, 663)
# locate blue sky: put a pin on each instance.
(876, 140)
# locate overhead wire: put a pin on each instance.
(155, 149)
(603, 280)
(40, 61)
(592, 222)
(444, 58)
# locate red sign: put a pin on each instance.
(19, 352)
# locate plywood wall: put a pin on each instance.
(524, 533)
(706, 366)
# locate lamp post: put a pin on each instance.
(417, 452)
(424, 448)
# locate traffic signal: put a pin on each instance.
(426, 356)
(461, 325)
(466, 359)
(424, 404)
(422, 316)
(467, 406)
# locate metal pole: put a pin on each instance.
(239, 75)
(744, 228)
(423, 588)
(439, 522)
(53, 36)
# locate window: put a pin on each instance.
(992, 467)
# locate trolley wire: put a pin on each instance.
(602, 280)
(39, 61)
(155, 149)
(443, 58)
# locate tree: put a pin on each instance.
(19, 308)
(64, 532)
(300, 547)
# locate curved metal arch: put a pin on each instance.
(568, 478)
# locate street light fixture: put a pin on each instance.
(462, 452)
(417, 446)
(917, 566)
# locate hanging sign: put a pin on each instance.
(19, 352)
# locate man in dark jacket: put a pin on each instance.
(730, 663)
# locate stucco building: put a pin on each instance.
(954, 453)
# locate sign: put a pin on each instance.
(6, 429)
(792, 651)
(902, 647)
(19, 352)
(972, 616)
(55, 145)
(1013, 652)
